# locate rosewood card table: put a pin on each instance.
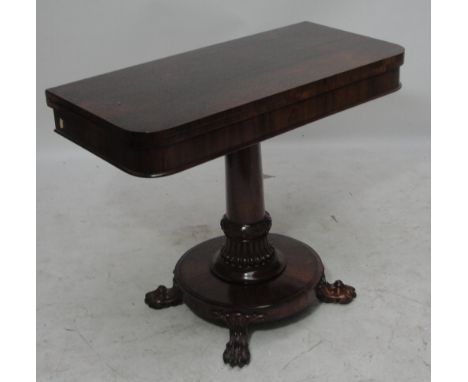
(168, 115)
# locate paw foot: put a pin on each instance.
(337, 292)
(163, 297)
(237, 350)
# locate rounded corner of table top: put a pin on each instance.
(201, 124)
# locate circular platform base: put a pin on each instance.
(212, 298)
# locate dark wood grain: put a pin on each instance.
(238, 306)
(289, 293)
(247, 256)
(244, 185)
(167, 115)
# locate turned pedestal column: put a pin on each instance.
(248, 275)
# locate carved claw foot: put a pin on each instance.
(338, 292)
(237, 351)
(163, 297)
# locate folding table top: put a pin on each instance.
(167, 115)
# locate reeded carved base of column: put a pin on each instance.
(247, 255)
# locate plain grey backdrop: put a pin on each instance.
(355, 186)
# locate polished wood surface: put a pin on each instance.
(287, 294)
(238, 306)
(247, 255)
(167, 115)
(244, 185)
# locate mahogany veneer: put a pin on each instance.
(164, 116)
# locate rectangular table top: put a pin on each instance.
(166, 115)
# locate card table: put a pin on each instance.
(164, 116)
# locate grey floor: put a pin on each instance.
(105, 238)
